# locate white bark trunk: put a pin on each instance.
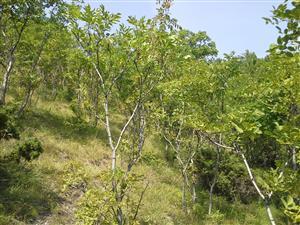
(194, 194)
(270, 215)
(4, 86)
(108, 131)
(211, 195)
(294, 158)
(264, 198)
(184, 184)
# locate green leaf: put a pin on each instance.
(238, 129)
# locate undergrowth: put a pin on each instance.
(64, 180)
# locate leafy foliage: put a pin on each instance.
(228, 127)
(8, 125)
(95, 206)
(74, 176)
(292, 210)
(29, 149)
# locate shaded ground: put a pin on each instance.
(23, 193)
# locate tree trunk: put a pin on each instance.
(294, 112)
(79, 100)
(270, 215)
(184, 186)
(140, 132)
(4, 86)
(194, 195)
(211, 189)
(96, 101)
(113, 160)
(294, 158)
(263, 197)
(25, 101)
(184, 205)
(212, 185)
(120, 216)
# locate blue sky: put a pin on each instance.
(235, 25)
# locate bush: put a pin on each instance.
(8, 125)
(151, 159)
(77, 124)
(67, 94)
(94, 207)
(29, 149)
(74, 176)
(232, 180)
(215, 218)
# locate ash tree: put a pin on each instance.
(128, 63)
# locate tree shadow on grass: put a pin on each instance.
(65, 127)
(23, 196)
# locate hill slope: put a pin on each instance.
(47, 190)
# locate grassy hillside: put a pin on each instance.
(47, 190)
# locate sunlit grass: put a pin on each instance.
(35, 190)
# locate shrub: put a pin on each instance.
(67, 94)
(29, 149)
(95, 206)
(75, 176)
(215, 218)
(291, 209)
(151, 159)
(8, 126)
(232, 179)
(77, 124)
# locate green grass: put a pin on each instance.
(32, 193)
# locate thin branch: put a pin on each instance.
(175, 149)
(140, 145)
(126, 125)
(214, 141)
(140, 201)
(20, 33)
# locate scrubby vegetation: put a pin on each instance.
(140, 123)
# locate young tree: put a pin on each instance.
(15, 19)
(128, 67)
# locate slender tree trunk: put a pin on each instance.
(107, 127)
(294, 158)
(96, 101)
(212, 185)
(141, 138)
(140, 201)
(79, 100)
(30, 90)
(113, 160)
(294, 111)
(184, 184)
(4, 86)
(115, 146)
(25, 101)
(33, 68)
(5, 82)
(270, 215)
(194, 194)
(211, 189)
(79, 93)
(263, 197)
(54, 91)
(120, 216)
